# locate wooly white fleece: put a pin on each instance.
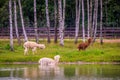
(49, 61)
(32, 45)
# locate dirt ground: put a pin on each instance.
(110, 40)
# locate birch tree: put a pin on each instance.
(88, 15)
(77, 21)
(60, 22)
(94, 15)
(61, 14)
(15, 23)
(83, 18)
(90, 18)
(35, 22)
(95, 20)
(55, 20)
(106, 12)
(22, 21)
(11, 27)
(101, 15)
(48, 21)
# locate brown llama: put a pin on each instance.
(84, 45)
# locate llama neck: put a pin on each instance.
(56, 60)
(88, 43)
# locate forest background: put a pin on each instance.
(111, 12)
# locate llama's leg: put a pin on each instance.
(26, 51)
(83, 48)
(79, 49)
(42, 63)
(34, 50)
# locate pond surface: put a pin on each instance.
(60, 72)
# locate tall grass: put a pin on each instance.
(108, 52)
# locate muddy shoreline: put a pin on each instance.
(79, 62)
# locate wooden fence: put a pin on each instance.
(68, 32)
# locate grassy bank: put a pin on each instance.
(108, 52)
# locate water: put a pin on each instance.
(61, 72)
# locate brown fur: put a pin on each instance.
(84, 45)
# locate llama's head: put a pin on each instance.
(41, 46)
(56, 58)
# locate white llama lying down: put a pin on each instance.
(49, 61)
(32, 45)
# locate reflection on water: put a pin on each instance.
(61, 72)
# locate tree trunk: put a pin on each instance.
(94, 16)
(63, 14)
(35, 22)
(106, 14)
(88, 31)
(95, 20)
(55, 20)
(77, 20)
(22, 21)
(11, 28)
(61, 21)
(83, 26)
(48, 21)
(90, 17)
(15, 23)
(101, 15)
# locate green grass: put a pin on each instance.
(108, 52)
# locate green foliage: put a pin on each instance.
(113, 12)
(4, 13)
(7, 47)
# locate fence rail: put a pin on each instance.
(68, 32)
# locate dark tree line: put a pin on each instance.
(111, 12)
